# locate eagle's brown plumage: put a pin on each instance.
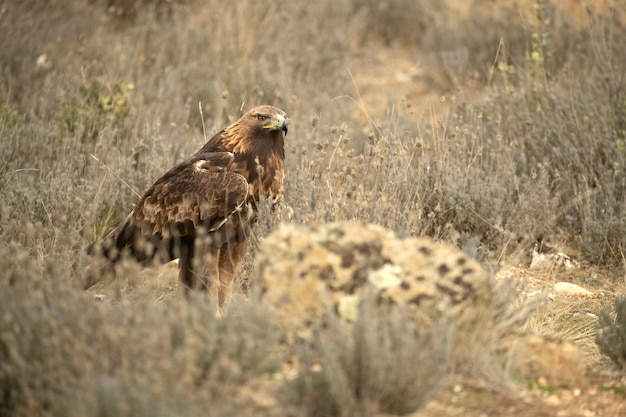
(201, 211)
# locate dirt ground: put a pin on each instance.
(604, 396)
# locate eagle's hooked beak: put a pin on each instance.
(278, 123)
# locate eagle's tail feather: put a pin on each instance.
(105, 252)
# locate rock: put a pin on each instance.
(551, 261)
(99, 297)
(306, 271)
(555, 361)
(567, 288)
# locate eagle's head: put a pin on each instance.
(261, 130)
(257, 142)
(267, 117)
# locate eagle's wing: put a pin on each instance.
(200, 195)
(201, 192)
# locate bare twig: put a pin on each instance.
(116, 176)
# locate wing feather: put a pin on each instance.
(199, 192)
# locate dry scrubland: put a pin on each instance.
(509, 128)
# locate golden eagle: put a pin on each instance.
(202, 210)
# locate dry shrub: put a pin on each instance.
(450, 178)
(382, 363)
(486, 356)
(611, 332)
(62, 353)
(567, 131)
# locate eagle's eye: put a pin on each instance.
(261, 117)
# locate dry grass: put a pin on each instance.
(528, 143)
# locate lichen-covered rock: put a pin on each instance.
(305, 271)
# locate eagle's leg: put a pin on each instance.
(205, 266)
(198, 269)
(185, 271)
(230, 257)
